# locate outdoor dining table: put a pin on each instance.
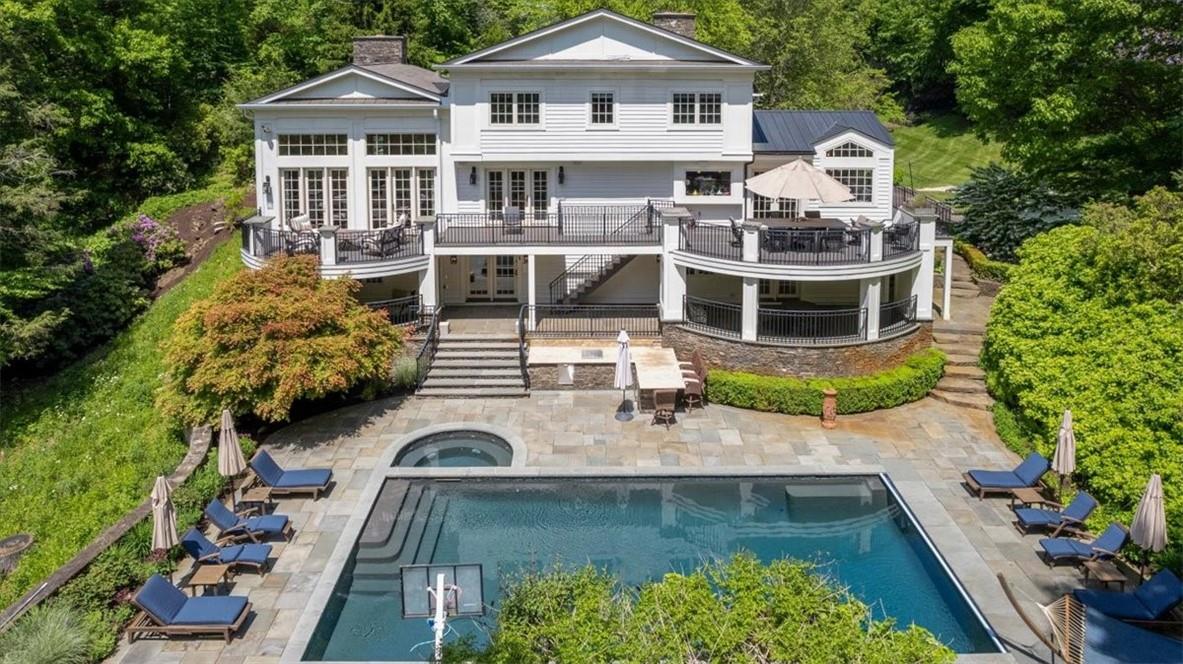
(780, 236)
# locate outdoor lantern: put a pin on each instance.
(562, 175)
(267, 186)
(472, 176)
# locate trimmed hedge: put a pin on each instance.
(982, 265)
(803, 396)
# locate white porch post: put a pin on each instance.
(869, 299)
(428, 295)
(922, 284)
(751, 303)
(751, 243)
(876, 251)
(673, 277)
(946, 293)
(532, 291)
(328, 245)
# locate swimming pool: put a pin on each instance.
(854, 526)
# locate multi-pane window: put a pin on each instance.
(697, 108)
(426, 177)
(541, 194)
(314, 182)
(764, 207)
(400, 144)
(858, 180)
(603, 108)
(517, 190)
(339, 197)
(379, 199)
(400, 179)
(293, 207)
(849, 149)
(495, 190)
(399, 195)
(304, 145)
(523, 108)
(708, 183)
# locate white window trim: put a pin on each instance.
(696, 125)
(515, 125)
(413, 192)
(864, 166)
(834, 158)
(551, 194)
(615, 124)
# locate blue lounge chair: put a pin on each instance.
(1069, 518)
(1151, 602)
(240, 555)
(308, 480)
(1027, 474)
(1060, 549)
(164, 609)
(235, 527)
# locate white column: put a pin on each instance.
(328, 245)
(946, 295)
(673, 277)
(869, 299)
(428, 293)
(922, 284)
(751, 303)
(751, 243)
(876, 252)
(532, 295)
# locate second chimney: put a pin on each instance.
(679, 22)
(380, 50)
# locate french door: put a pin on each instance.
(525, 190)
(492, 279)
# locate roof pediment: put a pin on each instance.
(355, 84)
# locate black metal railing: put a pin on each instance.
(400, 310)
(378, 245)
(431, 343)
(811, 327)
(901, 239)
(270, 242)
(897, 316)
(580, 321)
(523, 347)
(715, 240)
(583, 273)
(815, 247)
(567, 225)
(902, 196)
(719, 318)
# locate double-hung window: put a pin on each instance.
(515, 108)
(321, 193)
(400, 195)
(603, 109)
(697, 108)
(860, 181)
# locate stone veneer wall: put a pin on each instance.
(801, 361)
(587, 377)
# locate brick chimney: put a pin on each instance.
(380, 50)
(679, 22)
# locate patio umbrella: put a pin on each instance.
(164, 517)
(1149, 529)
(230, 461)
(623, 377)
(800, 180)
(1064, 461)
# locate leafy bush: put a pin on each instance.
(1004, 207)
(163, 249)
(734, 611)
(982, 266)
(269, 337)
(52, 634)
(803, 396)
(1092, 320)
(406, 372)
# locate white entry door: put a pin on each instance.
(527, 190)
(492, 279)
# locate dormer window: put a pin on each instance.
(515, 108)
(849, 149)
(702, 108)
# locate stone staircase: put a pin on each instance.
(475, 365)
(964, 382)
(963, 285)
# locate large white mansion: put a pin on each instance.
(598, 160)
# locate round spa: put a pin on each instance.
(455, 449)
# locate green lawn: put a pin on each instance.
(939, 152)
(82, 448)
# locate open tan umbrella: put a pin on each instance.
(164, 517)
(1064, 461)
(230, 461)
(1149, 529)
(800, 180)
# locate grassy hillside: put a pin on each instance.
(82, 448)
(939, 152)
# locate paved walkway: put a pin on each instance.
(924, 447)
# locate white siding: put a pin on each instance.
(600, 40)
(637, 282)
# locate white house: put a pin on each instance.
(599, 160)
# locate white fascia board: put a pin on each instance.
(333, 75)
(606, 65)
(855, 135)
(334, 107)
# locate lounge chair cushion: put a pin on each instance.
(1118, 605)
(210, 611)
(266, 468)
(1112, 539)
(1163, 592)
(997, 479)
(221, 516)
(271, 524)
(1032, 468)
(161, 599)
(1081, 507)
(197, 545)
(1030, 516)
(251, 554)
(309, 477)
(1062, 547)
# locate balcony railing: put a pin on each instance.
(567, 225)
(403, 310)
(723, 319)
(716, 240)
(902, 195)
(270, 242)
(897, 316)
(591, 320)
(378, 245)
(815, 247)
(900, 240)
(811, 327)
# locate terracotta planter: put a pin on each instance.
(829, 408)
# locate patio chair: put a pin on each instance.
(664, 402)
(1152, 602)
(307, 480)
(204, 551)
(513, 219)
(1068, 518)
(1027, 474)
(695, 365)
(692, 394)
(301, 223)
(736, 232)
(165, 610)
(1065, 549)
(236, 527)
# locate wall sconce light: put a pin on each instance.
(562, 176)
(472, 176)
(267, 186)
(453, 260)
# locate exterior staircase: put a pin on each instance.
(584, 276)
(475, 365)
(964, 382)
(963, 285)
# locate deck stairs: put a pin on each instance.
(475, 365)
(584, 276)
(964, 382)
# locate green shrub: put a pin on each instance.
(803, 396)
(734, 611)
(406, 372)
(1003, 207)
(981, 265)
(51, 634)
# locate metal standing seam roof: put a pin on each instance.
(795, 131)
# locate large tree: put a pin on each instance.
(1084, 94)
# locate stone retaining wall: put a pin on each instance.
(587, 377)
(801, 361)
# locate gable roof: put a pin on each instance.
(423, 85)
(797, 132)
(710, 53)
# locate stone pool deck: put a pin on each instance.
(924, 447)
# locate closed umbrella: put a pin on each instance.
(623, 377)
(230, 461)
(801, 180)
(1064, 461)
(1149, 529)
(164, 517)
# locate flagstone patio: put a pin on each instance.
(924, 447)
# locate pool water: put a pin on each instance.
(455, 449)
(638, 529)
